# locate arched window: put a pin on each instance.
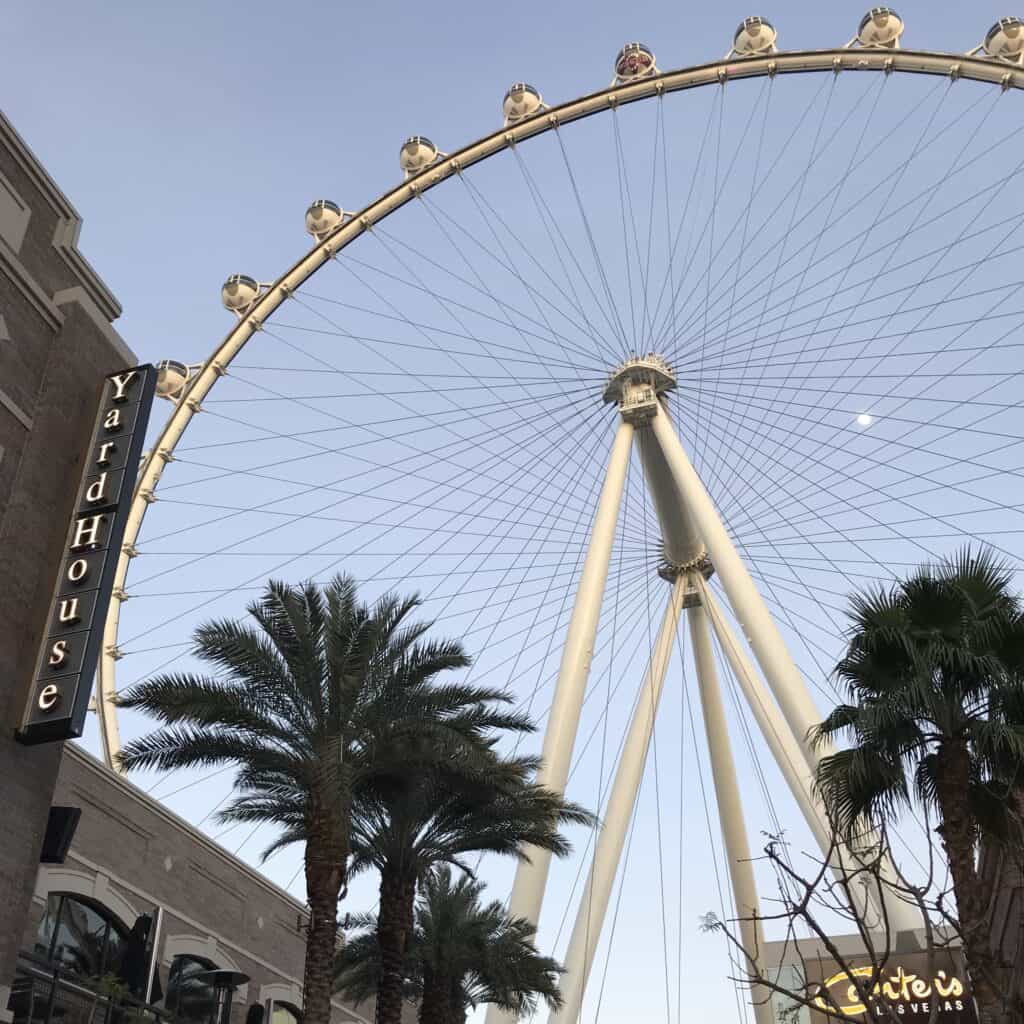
(81, 936)
(284, 1013)
(190, 997)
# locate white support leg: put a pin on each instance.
(593, 903)
(762, 633)
(780, 740)
(797, 773)
(730, 809)
(564, 717)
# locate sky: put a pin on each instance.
(192, 136)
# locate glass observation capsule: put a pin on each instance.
(521, 101)
(239, 292)
(881, 26)
(634, 61)
(322, 217)
(171, 378)
(417, 153)
(1005, 39)
(754, 36)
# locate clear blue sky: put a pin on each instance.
(192, 136)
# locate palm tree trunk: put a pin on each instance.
(456, 1004)
(394, 925)
(959, 840)
(434, 1004)
(323, 886)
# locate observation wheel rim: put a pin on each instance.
(990, 70)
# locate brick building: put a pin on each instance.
(129, 855)
(56, 345)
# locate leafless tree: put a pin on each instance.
(814, 905)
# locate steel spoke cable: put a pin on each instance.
(917, 372)
(870, 486)
(513, 409)
(581, 209)
(434, 390)
(813, 251)
(852, 209)
(483, 284)
(281, 565)
(726, 438)
(509, 355)
(462, 445)
(739, 343)
(511, 266)
(446, 306)
(436, 214)
(697, 311)
(548, 220)
(670, 268)
(631, 239)
(991, 472)
(797, 196)
(674, 237)
(472, 442)
(397, 474)
(994, 313)
(491, 216)
(625, 206)
(414, 283)
(381, 436)
(658, 139)
(693, 247)
(698, 447)
(868, 288)
(505, 614)
(754, 178)
(756, 438)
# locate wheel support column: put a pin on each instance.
(730, 805)
(763, 636)
(574, 670)
(754, 617)
(629, 775)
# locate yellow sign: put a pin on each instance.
(910, 994)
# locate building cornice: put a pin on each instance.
(32, 166)
(128, 789)
(65, 240)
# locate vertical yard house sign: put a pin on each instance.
(64, 670)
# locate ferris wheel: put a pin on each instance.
(730, 341)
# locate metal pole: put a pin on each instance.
(593, 903)
(730, 808)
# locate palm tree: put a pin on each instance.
(935, 673)
(321, 698)
(470, 802)
(461, 954)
